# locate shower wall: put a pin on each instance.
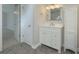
(8, 17)
(0, 27)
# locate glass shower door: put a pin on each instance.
(10, 25)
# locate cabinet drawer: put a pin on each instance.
(56, 39)
(45, 36)
(51, 37)
(56, 35)
(55, 29)
(55, 43)
(45, 32)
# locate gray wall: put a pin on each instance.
(78, 29)
(0, 27)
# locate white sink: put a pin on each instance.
(59, 25)
(56, 25)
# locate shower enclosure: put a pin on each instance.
(10, 25)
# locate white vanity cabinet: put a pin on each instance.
(52, 37)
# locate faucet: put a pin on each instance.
(59, 18)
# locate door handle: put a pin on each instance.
(29, 25)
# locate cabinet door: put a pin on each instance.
(70, 21)
(70, 41)
(45, 36)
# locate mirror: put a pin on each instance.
(54, 12)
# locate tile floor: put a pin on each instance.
(24, 48)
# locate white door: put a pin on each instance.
(27, 23)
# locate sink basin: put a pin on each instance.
(52, 24)
(56, 24)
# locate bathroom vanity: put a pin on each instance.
(51, 34)
(51, 31)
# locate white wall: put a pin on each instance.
(0, 27)
(43, 17)
(36, 15)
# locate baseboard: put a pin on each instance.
(34, 47)
(78, 49)
(26, 42)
